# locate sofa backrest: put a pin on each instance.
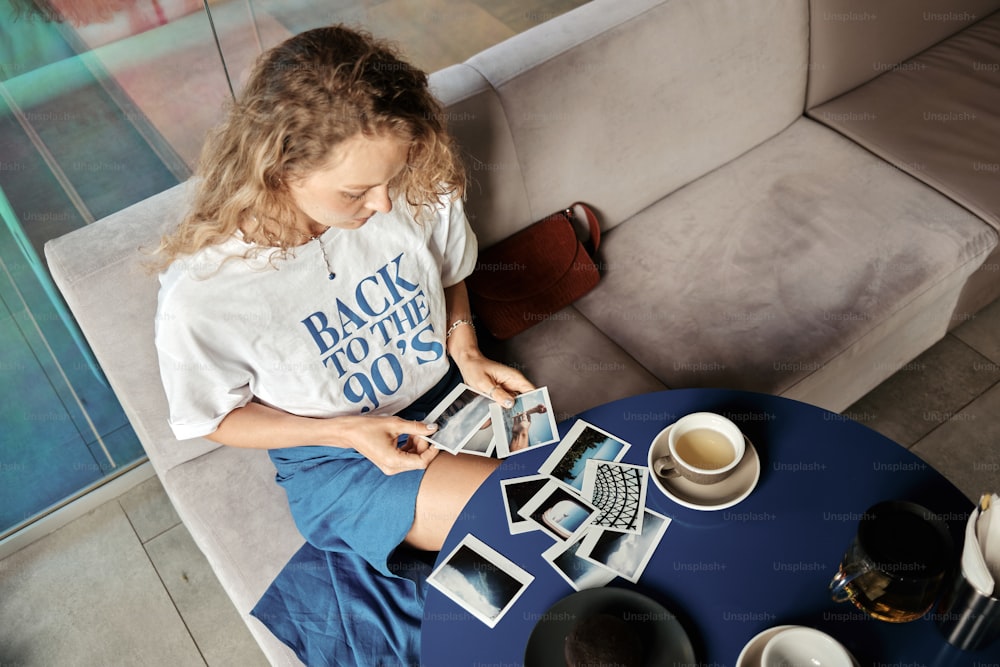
(853, 41)
(621, 103)
(496, 204)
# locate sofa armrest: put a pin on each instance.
(103, 273)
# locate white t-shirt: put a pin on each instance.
(371, 340)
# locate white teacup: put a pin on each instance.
(703, 447)
(797, 646)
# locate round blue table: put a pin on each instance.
(732, 573)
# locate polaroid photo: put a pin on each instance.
(480, 580)
(618, 490)
(578, 572)
(517, 491)
(482, 443)
(625, 553)
(583, 442)
(558, 511)
(528, 424)
(459, 417)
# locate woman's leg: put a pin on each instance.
(448, 483)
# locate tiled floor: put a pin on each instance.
(945, 405)
(125, 584)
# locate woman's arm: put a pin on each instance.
(259, 426)
(501, 382)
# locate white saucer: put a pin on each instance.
(707, 497)
(751, 654)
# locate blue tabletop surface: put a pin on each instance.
(732, 573)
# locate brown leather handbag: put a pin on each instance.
(539, 270)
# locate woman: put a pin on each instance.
(314, 306)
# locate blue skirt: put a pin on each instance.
(352, 594)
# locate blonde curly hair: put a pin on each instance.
(304, 97)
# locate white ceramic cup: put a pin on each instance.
(798, 646)
(703, 447)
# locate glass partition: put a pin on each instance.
(104, 103)
(92, 119)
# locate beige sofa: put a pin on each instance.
(797, 198)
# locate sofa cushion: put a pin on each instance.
(763, 272)
(853, 41)
(579, 364)
(936, 117)
(629, 101)
(103, 273)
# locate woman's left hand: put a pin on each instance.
(498, 381)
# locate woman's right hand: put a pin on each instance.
(375, 438)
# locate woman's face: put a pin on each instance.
(351, 186)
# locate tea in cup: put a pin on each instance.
(702, 447)
(895, 566)
(797, 646)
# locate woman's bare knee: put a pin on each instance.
(448, 484)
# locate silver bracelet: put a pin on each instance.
(456, 324)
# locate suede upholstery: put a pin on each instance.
(936, 116)
(854, 41)
(930, 115)
(746, 245)
(557, 84)
(763, 272)
(117, 308)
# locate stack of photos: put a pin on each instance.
(472, 423)
(590, 504)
